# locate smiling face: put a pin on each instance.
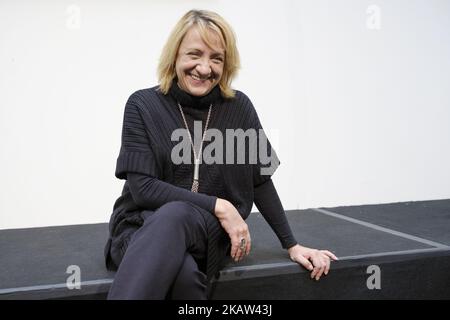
(199, 67)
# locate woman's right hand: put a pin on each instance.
(235, 226)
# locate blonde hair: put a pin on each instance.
(205, 21)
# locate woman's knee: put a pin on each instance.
(176, 205)
(180, 218)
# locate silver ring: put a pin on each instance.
(242, 244)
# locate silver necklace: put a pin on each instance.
(195, 182)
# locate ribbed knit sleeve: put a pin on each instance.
(151, 193)
(269, 205)
(136, 154)
(267, 159)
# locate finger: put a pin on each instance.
(314, 271)
(317, 265)
(242, 254)
(327, 267)
(304, 262)
(322, 267)
(329, 254)
(323, 259)
(240, 250)
(233, 251)
(248, 247)
(318, 271)
(234, 248)
(238, 253)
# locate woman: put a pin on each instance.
(176, 221)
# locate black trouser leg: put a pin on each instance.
(190, 283)
(156, 254)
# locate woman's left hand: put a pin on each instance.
(316, 261)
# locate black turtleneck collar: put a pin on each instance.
(188, 100)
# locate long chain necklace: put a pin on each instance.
(195, 183)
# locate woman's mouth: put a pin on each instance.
(201, 79)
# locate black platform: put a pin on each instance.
(409, 242)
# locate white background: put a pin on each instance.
(358, 114)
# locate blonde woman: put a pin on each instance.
(176, 221)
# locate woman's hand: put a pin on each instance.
(317, 261)
(235, 226)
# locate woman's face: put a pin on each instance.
(199, 67)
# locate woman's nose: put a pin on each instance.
(203, 68)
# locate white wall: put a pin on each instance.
(357, 115)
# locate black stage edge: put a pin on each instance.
(387, 251)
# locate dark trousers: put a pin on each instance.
(161, 259)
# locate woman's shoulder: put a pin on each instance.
(148, 99)
(240, 101)
(143, 95)
(240, 97)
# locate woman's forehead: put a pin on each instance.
(194, 39)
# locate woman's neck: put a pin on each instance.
(198, 102)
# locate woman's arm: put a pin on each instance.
(151, 193)
(269, 204)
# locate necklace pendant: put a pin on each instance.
(196, 168)
(194, 186)
(196, 173)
